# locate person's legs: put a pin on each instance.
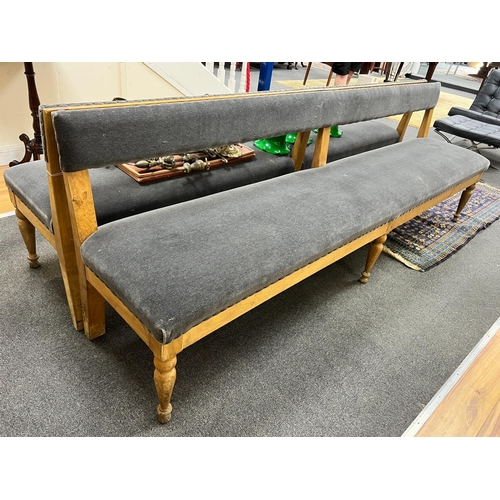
(341, 79)
(341, 70)
(354, 68)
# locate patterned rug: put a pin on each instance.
(430, 238)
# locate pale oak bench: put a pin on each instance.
(192, 267)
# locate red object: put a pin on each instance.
(247, 88)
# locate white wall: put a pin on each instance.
(61, 82)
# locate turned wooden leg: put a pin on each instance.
(374, 252)
(28, 233)
(164, 377)
(463, 201)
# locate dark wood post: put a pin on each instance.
(33, 147)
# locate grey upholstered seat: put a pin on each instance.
(190, 261)
(117, 195)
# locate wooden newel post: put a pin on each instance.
(33, 147)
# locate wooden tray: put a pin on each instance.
(143, 175)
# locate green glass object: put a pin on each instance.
(335, 131)
(273, 145)
(291, 138)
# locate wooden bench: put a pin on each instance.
(117, 195)
(192, 267)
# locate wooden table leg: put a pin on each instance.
(309, 64)
(430, 70)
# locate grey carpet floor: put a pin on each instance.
(329, 357)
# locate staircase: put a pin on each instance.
(196, 78)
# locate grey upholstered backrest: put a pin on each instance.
(487, 100)
(120, 133)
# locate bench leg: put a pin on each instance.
(164, 377)
(463, 201)
(374, 251)
(28, 233)
(94, 312)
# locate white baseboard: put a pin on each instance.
(9, 153)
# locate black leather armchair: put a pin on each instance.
(480, 124)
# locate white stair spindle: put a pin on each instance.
(221, 73)
(210, 67)
(231, 83)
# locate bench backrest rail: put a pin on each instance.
(105, 134)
